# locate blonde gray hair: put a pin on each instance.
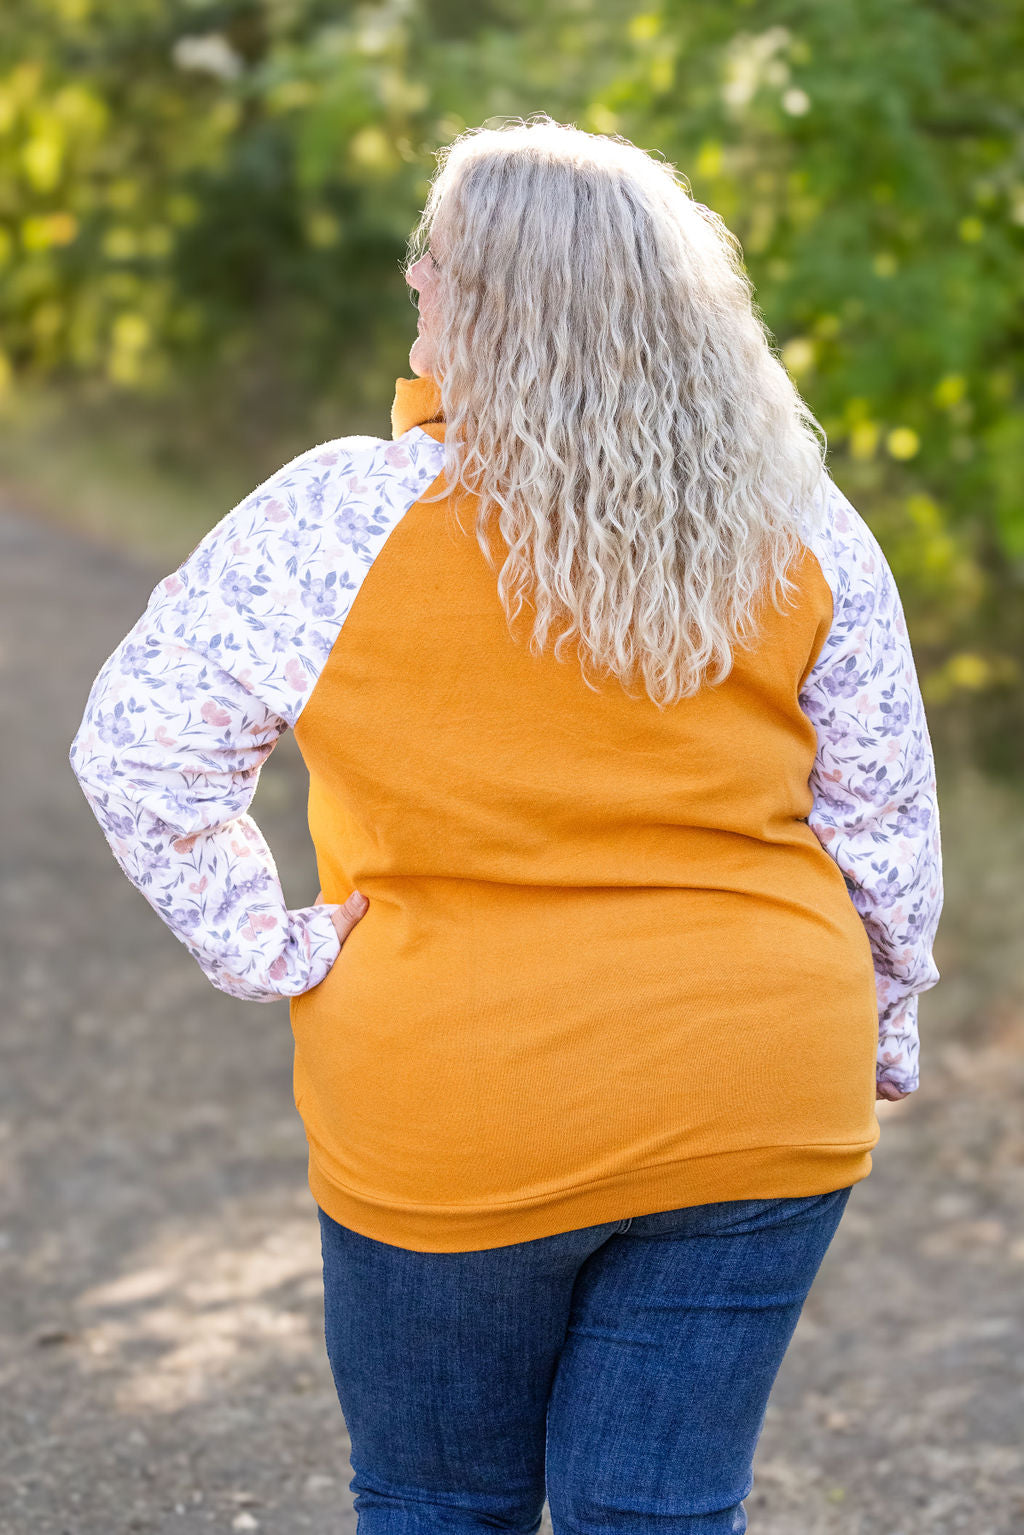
(612, 396)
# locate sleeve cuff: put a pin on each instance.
(315, 944)
(898, 1042)
(312, 947)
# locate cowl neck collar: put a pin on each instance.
(417, 402)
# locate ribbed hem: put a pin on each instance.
(761, 1172)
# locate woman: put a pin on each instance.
(587, 1087)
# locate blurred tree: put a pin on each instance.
(868, 155)
(207, 200)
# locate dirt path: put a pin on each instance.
(162, 1367)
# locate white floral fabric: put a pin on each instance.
(875, 799)
(184, 713)
(189, 706)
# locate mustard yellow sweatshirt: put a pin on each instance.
(616, 959)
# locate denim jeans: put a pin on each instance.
(622, 1370)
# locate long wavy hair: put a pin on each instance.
(612, 397)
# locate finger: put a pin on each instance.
(319, 898)
(346, 917)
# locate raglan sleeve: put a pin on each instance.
(177, 726)
(875, 807)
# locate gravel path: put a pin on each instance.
(161, 1358)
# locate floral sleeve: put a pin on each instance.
(169, 755)
(875, 802)
(185, 712)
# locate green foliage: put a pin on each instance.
(209, 199)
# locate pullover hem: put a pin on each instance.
(760, 1172)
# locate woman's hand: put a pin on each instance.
(887, 1091)
(346, 917)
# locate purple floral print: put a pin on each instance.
(185, 712)
(875, 801)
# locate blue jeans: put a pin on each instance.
(622, 1370)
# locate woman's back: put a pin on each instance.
(608, 964)
(628, 947)
(611, 962)
(632, 953)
